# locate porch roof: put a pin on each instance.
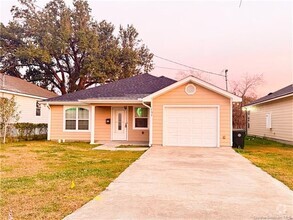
(113, 101)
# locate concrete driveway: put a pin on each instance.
(191, 183)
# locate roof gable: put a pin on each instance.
(198, 82)
(19, 86)
(284, 92)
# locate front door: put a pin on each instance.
(119, 125)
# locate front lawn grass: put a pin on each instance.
(48, 180)
(273, 157)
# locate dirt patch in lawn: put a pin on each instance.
(17, 164)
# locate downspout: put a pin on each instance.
(151, 123)
(246, 120)
(49, 123)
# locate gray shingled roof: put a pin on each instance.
(277, 94)
(14, 84)
(131, 88)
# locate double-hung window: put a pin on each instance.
(140, 118)
(77, 118)
(248, 119)
(38, 109)
(268, 120)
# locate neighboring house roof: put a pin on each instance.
(286, 91)
(16, 85)
(132, 88)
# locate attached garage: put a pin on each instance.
(191, 113)
(193, 126)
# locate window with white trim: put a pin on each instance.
(248, 119)
(38, 108)
(140, 117)
(77, 118)
(268, 120)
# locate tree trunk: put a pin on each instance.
(4, 134)
(63, 89)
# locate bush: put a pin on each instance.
(30, 131)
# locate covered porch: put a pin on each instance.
(120, 123)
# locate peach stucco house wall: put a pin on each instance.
(146, 109)
(204, 97)
(102, 130)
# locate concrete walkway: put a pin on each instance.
(114, 146)
(191, 183)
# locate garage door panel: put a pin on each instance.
(190, 126)
(196, 131)
(196, 141)
(208, 143)
(184, 141)
(173, 140)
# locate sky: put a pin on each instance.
(255, 38)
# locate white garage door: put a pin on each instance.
(191, 126)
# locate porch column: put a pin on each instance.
(93, 111)
(151, 127)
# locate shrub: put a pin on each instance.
(30, 131)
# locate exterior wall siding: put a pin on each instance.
(27, 108)
(282, 119)
(202, 96)
(57, 120)
(102, 130)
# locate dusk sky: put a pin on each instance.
(211, 35)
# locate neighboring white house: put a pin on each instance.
(27, 97)
(272, 116)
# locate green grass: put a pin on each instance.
(36, 177)
(273, 157)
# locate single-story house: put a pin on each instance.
(272, 115)
(27, 97)
(146, 108)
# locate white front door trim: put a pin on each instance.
(123, 135)
(192, 106)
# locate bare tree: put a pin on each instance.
(8, 114)
(245, 88)
(182, 74)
